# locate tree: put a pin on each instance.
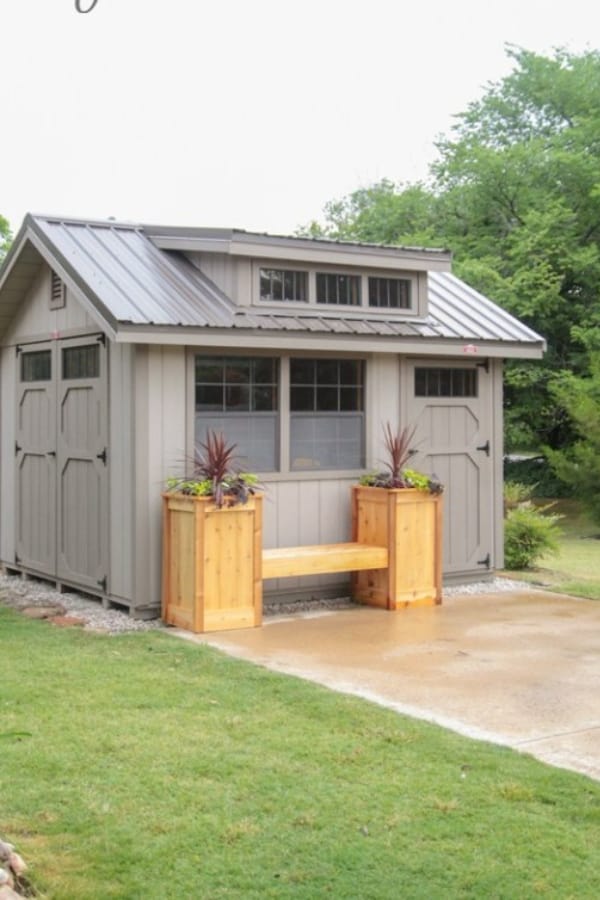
(5, 238)
(578, 466)
(515, 194)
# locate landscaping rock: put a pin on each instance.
(43, 612)
(68, 621)
(7, 893)
(12, 872)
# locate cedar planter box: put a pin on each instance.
(409, 523)
(212, 563)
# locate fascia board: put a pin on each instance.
(325, 342)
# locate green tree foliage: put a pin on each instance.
(515, 194)
(578, 466)
(5, 238)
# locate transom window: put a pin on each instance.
(445, 382)
(283, 284)
(389, 293)
(338, 289)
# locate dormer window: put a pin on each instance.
(389, 293)
(283, 284)
(338, 289)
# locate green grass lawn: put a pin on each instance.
(575, 569)
(141, 766)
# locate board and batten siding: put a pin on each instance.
(121, 462)
(161, 422)
(8, 394)
(35, 321)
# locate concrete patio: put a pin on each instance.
(516, 668)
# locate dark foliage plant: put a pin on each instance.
(397, 474)
(213, 474)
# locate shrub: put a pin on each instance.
(529, 533)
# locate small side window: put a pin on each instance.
(445, 382)
(81, 362)
(36, 366)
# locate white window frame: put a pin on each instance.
(283, 450)
(418, 291)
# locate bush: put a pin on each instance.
(529, 533)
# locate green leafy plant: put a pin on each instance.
(529, 531)
(214, 475)
(396, 474)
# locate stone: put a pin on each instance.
(17, 864)
(5, 877)
(5, 850)
(43, 612)
(7, 893)
(67, 621)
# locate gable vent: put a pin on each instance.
(58, 294)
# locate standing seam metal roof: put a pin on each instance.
(139, 284)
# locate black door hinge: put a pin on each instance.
(102, 456)
(485, 562)
(485, 447)
(18, 349)
(102, 582)
(18, 448)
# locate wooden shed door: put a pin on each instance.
(35, 451)
(67, 515)
(451, 406)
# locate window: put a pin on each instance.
(239, 397)
(282, 284)
(445, 382)
(81, 362)
(338, 289)
(326, 414)
(36, 366)
(389, 293)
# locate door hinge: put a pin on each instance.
(18, 447)
(102, 582)
(101, 339)
(485, 447)
(18, 349)
(102, 456)
(485, 562)
(484, 364)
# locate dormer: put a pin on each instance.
(316, 276)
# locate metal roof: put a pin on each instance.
(132, 282)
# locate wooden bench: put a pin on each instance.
(318, 559)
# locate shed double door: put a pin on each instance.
(451, 406)
(61, 461)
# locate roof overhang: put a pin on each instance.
(314, 342)
(28, 252)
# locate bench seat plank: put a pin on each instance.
(283, 562)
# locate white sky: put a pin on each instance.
(244, 113)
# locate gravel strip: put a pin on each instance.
(20, 593)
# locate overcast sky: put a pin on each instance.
(244, 113)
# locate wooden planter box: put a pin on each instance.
(409, 523)
(212, 563)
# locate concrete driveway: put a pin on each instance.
(520, 669)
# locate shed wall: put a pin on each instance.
(36, 321)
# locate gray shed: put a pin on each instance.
(122, 343)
